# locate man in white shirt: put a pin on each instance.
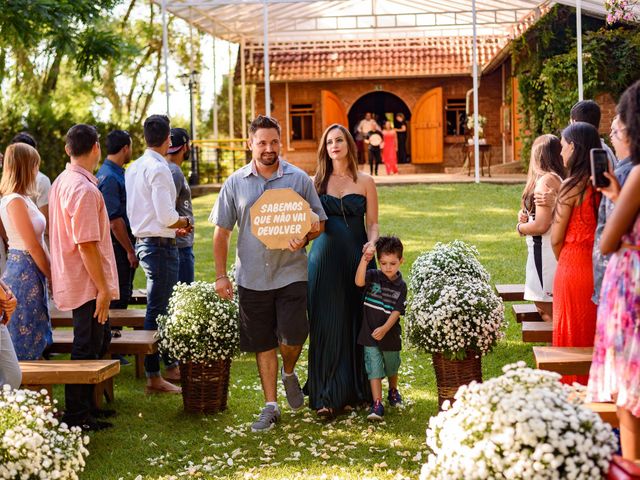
(151, 201)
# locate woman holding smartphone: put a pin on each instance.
(615, 368)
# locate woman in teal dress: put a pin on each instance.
(337, 378)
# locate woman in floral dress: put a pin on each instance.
(615, 369)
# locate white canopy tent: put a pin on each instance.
(265, 21)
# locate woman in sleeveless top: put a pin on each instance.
(572, 236)
(390, 149)
(615, 368)
(545, 174)
(337, 377)
(28, 266)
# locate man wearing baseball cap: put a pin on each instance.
(179, 152)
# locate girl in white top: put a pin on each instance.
(28, 267)
(546, 171)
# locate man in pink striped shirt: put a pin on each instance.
(83, 267)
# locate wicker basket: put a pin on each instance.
(205, 387)
(452, 374)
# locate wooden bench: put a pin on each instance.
(526, 312)
(138, 297)
(537, 332)
(132, 342)
(511, 293)
(564, 360)
(117, 318)
(607, 412)
(46, 373)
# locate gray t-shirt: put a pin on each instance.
(259, 268)
(183, 202)
(600, 261)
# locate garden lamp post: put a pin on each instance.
(191, 80)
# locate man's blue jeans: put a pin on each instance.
(186, 271)
(160, 265)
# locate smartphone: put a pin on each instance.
(599, 165)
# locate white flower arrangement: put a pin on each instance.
(482, 121)
(33, 443)
(200, 326)
(524, 424)
(452, 308)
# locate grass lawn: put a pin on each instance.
(154, 439)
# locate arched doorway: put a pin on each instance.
(380, 103)
(384, 105)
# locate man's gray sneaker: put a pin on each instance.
(295, 397)
(267, 419)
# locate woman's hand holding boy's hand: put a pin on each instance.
(369, 252)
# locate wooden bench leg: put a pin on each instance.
(108, 390)
(98, 392)
(103, 390)
(139, 365)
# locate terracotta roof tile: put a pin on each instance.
(382, 59)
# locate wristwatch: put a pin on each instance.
(188, 222)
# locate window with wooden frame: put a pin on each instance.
(302, 121)
(455, 116)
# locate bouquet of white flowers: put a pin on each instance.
(200, 326)
(445, 261)
(452, 308)
(524, 424)
(33, 443)
(482, 121)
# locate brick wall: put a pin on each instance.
(410, 91)
(608, 111)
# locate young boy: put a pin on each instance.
(384, 300)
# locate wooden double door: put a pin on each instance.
(427, 131)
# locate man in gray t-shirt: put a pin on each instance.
(272, 284)
(179, 152)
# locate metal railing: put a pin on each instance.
(219, 158)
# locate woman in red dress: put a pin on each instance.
(572, 234)
(390, 148)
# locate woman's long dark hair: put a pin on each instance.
(583, 136)
(629, 114)
(324, 168)
(545, 158)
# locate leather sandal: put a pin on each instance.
(325, 413)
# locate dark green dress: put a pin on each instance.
(337, 376)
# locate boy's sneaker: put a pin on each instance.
(267, 419)
(395, 399)
(295, 397)
(376, 412)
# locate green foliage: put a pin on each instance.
(546, 68)
(223, 112)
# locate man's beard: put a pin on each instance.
(268, 160)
